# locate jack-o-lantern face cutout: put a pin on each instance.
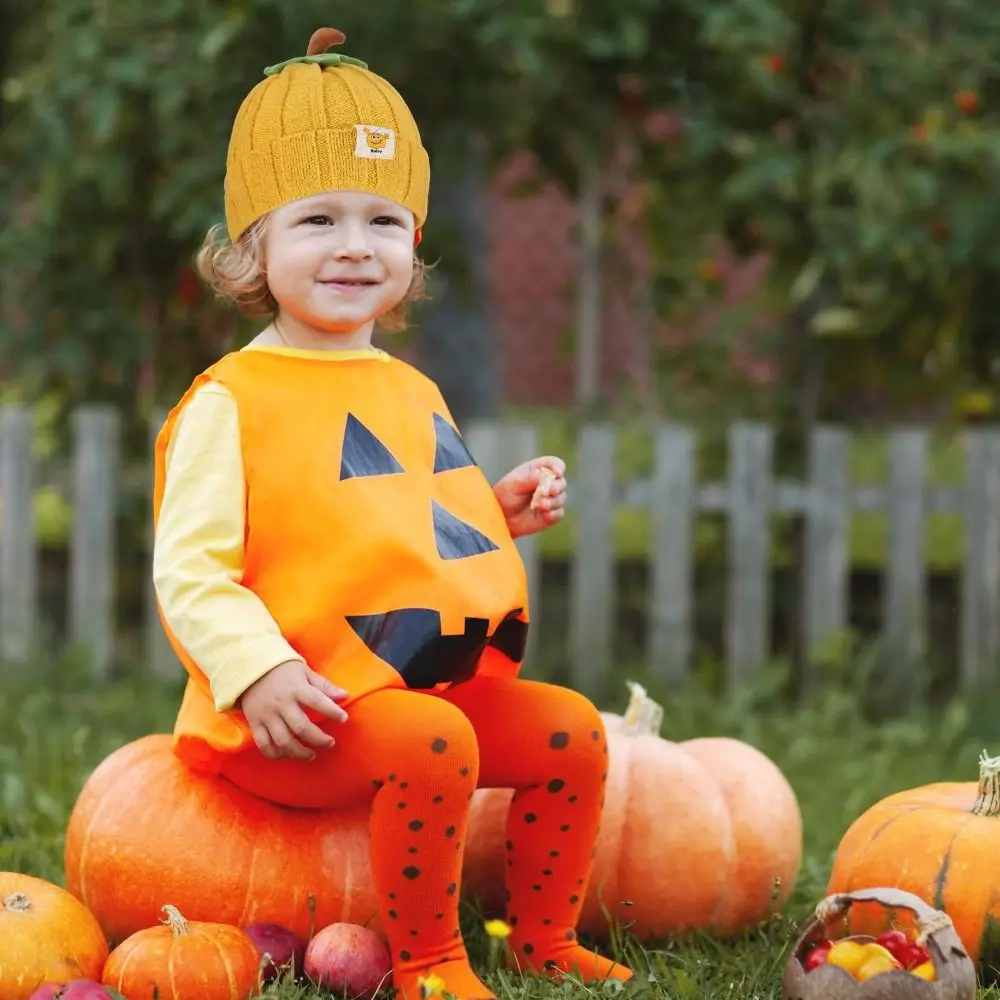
(410, 640)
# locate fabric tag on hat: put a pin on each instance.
(375, 143)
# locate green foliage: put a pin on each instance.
(55, 727)
(856, 145)
(112, 161)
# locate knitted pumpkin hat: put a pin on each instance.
(322, 122)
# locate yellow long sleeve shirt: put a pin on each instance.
(199, 545)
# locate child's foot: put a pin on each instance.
(431, 983)
(570, 958)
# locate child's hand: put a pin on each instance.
(274, 707)
(533, 495)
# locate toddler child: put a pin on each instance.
(334, 571)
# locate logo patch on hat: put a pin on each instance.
(375, 142)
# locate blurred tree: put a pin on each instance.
(111, 163)
(854, 144)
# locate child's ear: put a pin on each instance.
(418, 235)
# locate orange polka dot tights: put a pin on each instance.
(418, 757)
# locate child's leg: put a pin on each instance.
(549, 744)
(415, 758)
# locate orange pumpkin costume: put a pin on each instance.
(382, 557)
(323, 506)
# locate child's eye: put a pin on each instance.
(318, 220)
(387, 220)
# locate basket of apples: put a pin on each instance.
(927, 963)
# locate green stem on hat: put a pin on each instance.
(321, 59)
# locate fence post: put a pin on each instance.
(160, 657)
(18, 547)
(93, 567)
(592, 596)
(825, 577)
(980, 615)
(904, 600)
(748, 563)
(672, 520)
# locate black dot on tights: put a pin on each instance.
(512, 921)
(553, 854)
(377, 784)
(530, 818)
(439, 745)
(414, 933)
(573, 900)
(556, 785)
(547, 871)
(559, 741)
(437, 800)
(450, 832)
(510, 845)
(416, 824)
(571, 799)
(439, 916)
(570, 935)
(595, 735)
(404, 785)
(392, 777)
(412, 850)
(529, 949)
(463, 771)
(547, 922)
(400, 805)
(579, 881)
(393, 915)
(411, 872)
(404, 955)
(456, 933)
(452, 889)
(565, 828)
(392, 895)
(537, 888)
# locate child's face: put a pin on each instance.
(338, 261)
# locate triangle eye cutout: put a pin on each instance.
(455, 539)
(451, 452)
(363, 455)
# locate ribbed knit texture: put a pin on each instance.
(296, 135)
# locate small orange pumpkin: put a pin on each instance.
(938, 842)
(146, 828)
(703, 834)
(180, 960)
(46, 936)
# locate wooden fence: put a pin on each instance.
(673, 496)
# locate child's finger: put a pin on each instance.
(285, 741)
(304, 729)
(318, 700)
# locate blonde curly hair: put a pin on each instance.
(236, 274)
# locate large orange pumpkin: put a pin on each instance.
(46, 936)
(704, 834)
(941, 843)
(146, 830)
(183, 960)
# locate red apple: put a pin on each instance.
(87, 989)
(284, 948)
(48, 991)
(348, 958)
(78, 989)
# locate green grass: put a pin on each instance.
(54, 728)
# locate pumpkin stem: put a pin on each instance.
(18, 902)
(643, 717)
(988, 799)
(175, 920)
